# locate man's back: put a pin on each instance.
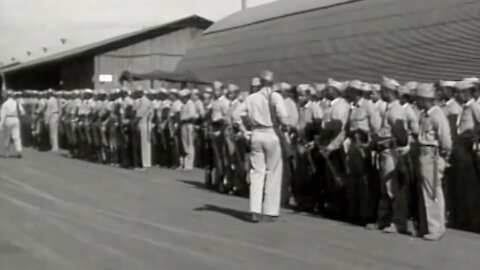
(258, 108)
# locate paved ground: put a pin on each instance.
(59, 213)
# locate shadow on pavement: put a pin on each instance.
(197, 184)
(243, 216)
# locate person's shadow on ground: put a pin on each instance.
(243, 216)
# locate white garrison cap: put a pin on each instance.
(356, 84)
(426, 90)
(447, 83)
(208, 90)
(276, 87)
(266, 75)
(232, 87)
(366, 87)
(404, 90)
(195, 91)
(285, 86)
(185, 92)
(303, 88)
(173, 91)
(256, 81)
(217, 84)
(336, 84)
(376, 87)
(472, 80)
(319, 87)
(390, 83)
(464, 85)
(411, 85)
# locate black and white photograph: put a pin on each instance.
(239, 134)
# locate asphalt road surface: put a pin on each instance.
(60, 213)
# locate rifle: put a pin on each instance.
(435, 176)
(336, 177)
(312, 169)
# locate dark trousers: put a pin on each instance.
(136, 147)
(395, 209)
(362, 186)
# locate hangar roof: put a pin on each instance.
(116, 42)
(419, 40)
(272, 11)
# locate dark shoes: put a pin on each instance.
(256, 218)
(268, 219)
(432, 237)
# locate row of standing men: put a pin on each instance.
(351, 150)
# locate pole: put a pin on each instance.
(244, 4)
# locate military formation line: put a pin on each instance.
(400, 158)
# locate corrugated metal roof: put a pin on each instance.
(115, 42)
(271, 11)
(407, 39)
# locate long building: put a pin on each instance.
(312, 40)
(100, 64)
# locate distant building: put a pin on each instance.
(312, 40)
(99, 65)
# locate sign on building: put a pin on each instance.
(105, 78)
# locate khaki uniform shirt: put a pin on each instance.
(393, 113)
(339, 113)
(188, 111)
(434, 130)
(468, 121)
(10, 108)
(308, 114)
(220, 109)
(257, 108)
(293, 114)
(364, 116)
(412, 119)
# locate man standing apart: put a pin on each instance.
(52, 116)
(10, 123)
(435, 146)
(144, 111)
(188, 115)
(265, 156)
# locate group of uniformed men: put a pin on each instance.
(398, 158)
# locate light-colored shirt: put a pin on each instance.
(233, 106)
(188, 111)
(412, 119)
(308, 114)
(364, 116)
(10, 108)
(53, 106)
(392, 115)
(41, 106)
(220, 109)
(200, 108)
(293, 115)
(468, 121)
(143, 108)
(176, 107)
(434, 130)
(257, 108)
(381, 106)
(339, 113)
(452, 107)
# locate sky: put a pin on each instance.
(30, 25)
